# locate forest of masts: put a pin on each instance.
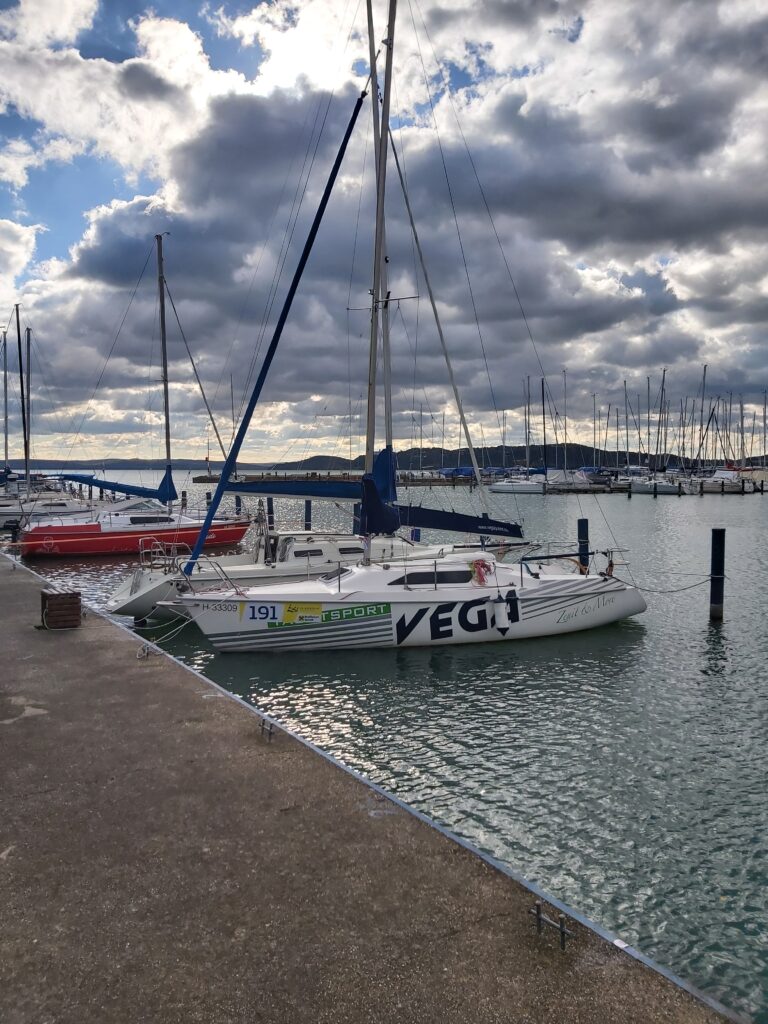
(651, 431)
(646, 430)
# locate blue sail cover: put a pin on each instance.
(384, 475)
(439, 519)
(165, 492)
(376, 517)
(298, 488)
(380, 513)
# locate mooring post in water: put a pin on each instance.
(270, 513)
(582, 526)
(307, 514)
(238, 504)
(717, 575)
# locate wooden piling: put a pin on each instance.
(582, 526)
(717, 576)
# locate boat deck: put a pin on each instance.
(163, 859)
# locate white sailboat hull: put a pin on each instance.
(146, 593)
(311, 617)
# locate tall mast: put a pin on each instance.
(163, 347)
(23, 403)
(5, 397)
(528, 427)
(648, 423)
(378, 251)
(607, 429)
(600, 430)
(701, 419)
(660, 421)
(544, 428)
(626, 421)
(765, 410)
(565, 423)
(28, 333)
(380, 301)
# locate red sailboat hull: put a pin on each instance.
(89, 538)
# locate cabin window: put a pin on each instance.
(146, 520)
(351, 551)
(412, 579)
(335, 574)
(308, 553)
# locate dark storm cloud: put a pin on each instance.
(516, 13)
(568, 183)
(675, 133)
(139, 81)
(253, 150)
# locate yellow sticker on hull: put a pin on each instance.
(297, 611)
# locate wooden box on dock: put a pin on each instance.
(60, 610)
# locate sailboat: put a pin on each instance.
(279, 556)
(32, 495)
(522, 483)
(453, 600)
(147, 514)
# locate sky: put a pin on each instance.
(588, 181)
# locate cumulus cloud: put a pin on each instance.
(17, 247)
(619, 149)
(39, 23)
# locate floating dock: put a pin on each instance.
(168, 855)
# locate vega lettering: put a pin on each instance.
(455, 617)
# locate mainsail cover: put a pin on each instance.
(380, 512)
(165, 492)
(298, 488)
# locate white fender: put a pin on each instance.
(500, 612)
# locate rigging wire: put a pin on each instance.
(453, 208)
(96, 386)
(194, 370)
(349, 290)
(298, 200)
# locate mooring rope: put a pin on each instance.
(677, 590)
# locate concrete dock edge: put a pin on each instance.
(161, 858)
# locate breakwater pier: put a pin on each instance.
(164, 856)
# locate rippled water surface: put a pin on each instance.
(623, 769)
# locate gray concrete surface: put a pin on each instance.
(160, 861)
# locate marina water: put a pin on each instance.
(622, 769)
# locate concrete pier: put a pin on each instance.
(162, 860)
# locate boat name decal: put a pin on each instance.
(602, 601)
(455, 616)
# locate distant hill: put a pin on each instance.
(409, 459)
